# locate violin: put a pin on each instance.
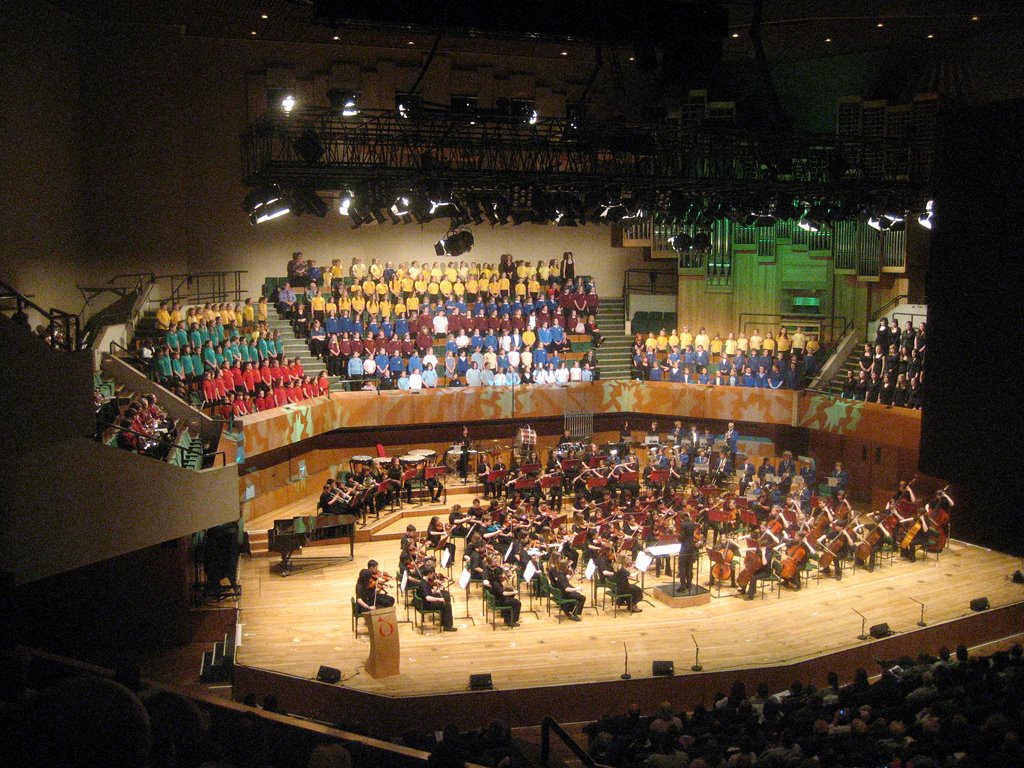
(379, 582)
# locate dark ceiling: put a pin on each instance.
(791, 29)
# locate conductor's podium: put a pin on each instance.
(385, 654)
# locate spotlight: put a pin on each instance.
(345, 203)
(925, 219)
(886, 221)
(344, 102)
(401, 206)
(532, 119)
(808, 224)
(265, 204)
(681, 242)
(455, 243)
(306, 200)
(288, 103)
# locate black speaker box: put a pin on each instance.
(480, 682)
(979, 604)
(663, 669)
(880, 630)
(328, 675)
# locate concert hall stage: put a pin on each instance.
(293, 625)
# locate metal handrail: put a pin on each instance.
(639, 281)
(548, 726)
(165, 441)
(69, 324)
(776, 316)
(884, 309)
(180, 286)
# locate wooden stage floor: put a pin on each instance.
(294, 624)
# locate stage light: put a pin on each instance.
(265, 204)
(288, 103)
(680, 242)
(532, 119)
(702, 241)
(344, 102)
(455, 243)
(401, 206)
(925, 219)
(345, 203)
(304, 199)
(808, 224)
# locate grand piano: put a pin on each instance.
(289, 536)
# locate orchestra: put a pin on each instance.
(760, 523)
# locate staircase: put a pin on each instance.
(852, 363)
(218, 663)
(297, 347)
(615, 355)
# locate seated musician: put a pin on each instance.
(369, 589)
(439, 537)
(838, 542)
(722, 469)
(504, 596)
(475, 556)
(433, 593)
(767, 554)
(628, 593)
(558, 575)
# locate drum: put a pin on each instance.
(382, 461)
(426, 453)
(358, 462)
(453, 454)
(412, 460)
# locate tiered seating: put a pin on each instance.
(407, 326)
(775, 361)
(891, 370)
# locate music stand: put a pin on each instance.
(438, 471)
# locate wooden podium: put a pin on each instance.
(385, 655)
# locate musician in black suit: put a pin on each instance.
(466, 443)
(721, 471)
(504, 597)
(433, 594)
(369, 594)
(767, 552)
(687, 554)
(560, 580)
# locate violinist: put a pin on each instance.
(370, 589)
(505, 597)
(558, 575)
(433, 593)
(687, 553)
(458, 522)
(440, 538)
(628, 592)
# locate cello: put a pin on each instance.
(752, 563)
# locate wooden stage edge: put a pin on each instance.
(290, 626)
(580, 702)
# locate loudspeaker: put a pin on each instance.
(979, 604)
(663, 669)
(328, 675)
(480, 682)
(880, 630)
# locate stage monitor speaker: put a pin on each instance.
(328, 675)
(880, 630)
(663, 669)
(979, 604)
(481, 682)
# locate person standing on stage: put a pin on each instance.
(732, 438)
(369, 590)
(465, 442)
(687, 554)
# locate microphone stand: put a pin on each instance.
(863, 624)
(625, 675)
(696, 658)
(921, 623)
